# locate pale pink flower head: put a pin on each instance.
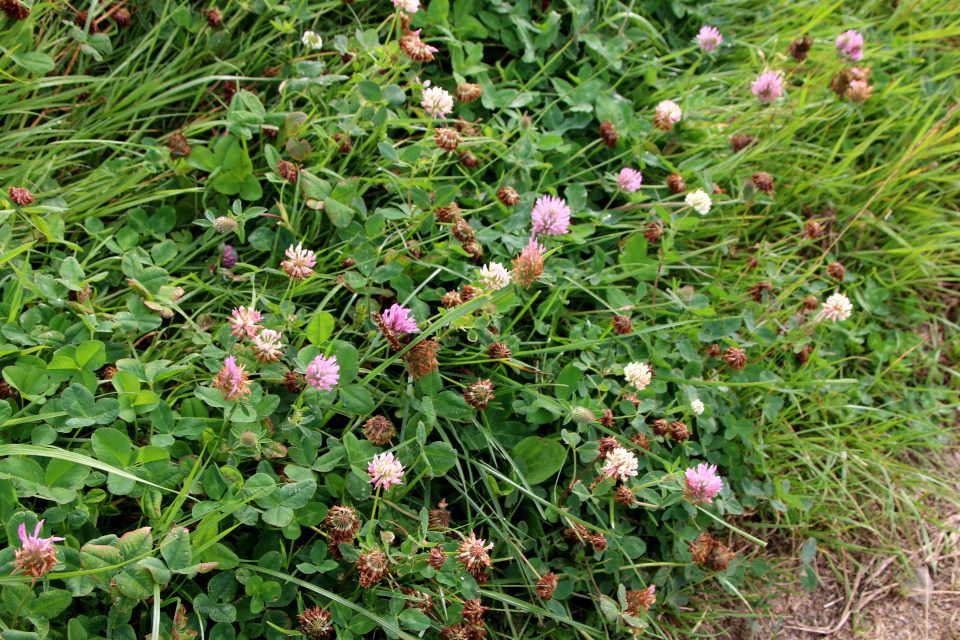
(474, 554)
(709, 38)
(36, 556)
(528, 266)
(667, 114)
(232, 380)
(400, 319)
(620, 465)
(702, 484)
(768, 86)
(551, 216)
(437, 102)
(301, 260)
(323, 373)
(244, 322)
(385, 470)
(495, 275)
(629, 180)
(837, 308)
(850, 46)
(410, 6)
(267, 346)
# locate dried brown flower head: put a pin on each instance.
(420, 601)
(437, 558)
(422, 358)
(859, 92)
(607, 418)
(315, 622)
(345, 142)
(621, 325)
(214, 17)
(528, 265)
(624, 495)
(348, 263)
(713, 351)
(448, 213)
(676, 184)
(640, 440)
(469, 160)
(479, 394)
(14, 9)
(653, 232)
(606, 445)
(463, 232)
(741, 141)
(287, 170)
(799, 48)
(812, 230)
(379, 430)
(7, 391)
(679, 431)
(415, 48)
(474, 554)
(498, 351)
(447, 139)
(722, 557)
(439, 519)
(836, 271)
(372, 565)
(475, 249)
(508, 196)
(763, 181)
(810, 303)
(451, 299)
(661, 426)
(293, 381)
(841, 80)
(640, 599)
(466, 128)
(609, 135)
(108, 372)
(177, 143)
(803, 355)
(473, 611)
(81, 21)
(229, 90)
(20, 196)
(120, 17)
(458, 631)
(468, 292)
(756, 291)
(467, 92)
(547, 585)
(736, 358)
(341, 523)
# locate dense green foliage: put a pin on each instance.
(155, 150)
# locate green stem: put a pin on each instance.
(16, 616)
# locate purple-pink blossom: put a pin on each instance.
(702, 484)
(850, 46)
(709, 38)
(768, 86)
(385, 470)
(400, 319)
(232, 380)
(323, 373)
(244, 323)
(36, 556)
(629, 180)
(551, 216)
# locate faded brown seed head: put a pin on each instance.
(676, 184)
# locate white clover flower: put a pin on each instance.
(437, 102)
(620, 464)
(638, 374)
(697, 407)
(410, 6)
(495, 275)
(700, 201)
(311, 40)
(837, 308)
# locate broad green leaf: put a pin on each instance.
(543, 457)
(111, 447)
(320, 327)
(176, 550)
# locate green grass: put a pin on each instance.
(826, 450)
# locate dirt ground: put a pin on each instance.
(912, 592)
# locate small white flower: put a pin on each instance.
(837, 308)
(495, 275)
(700, 201)
(312, 40)
(638, 374)
(697, 407)
(410, 6)
(621, 464)
(437, 102)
